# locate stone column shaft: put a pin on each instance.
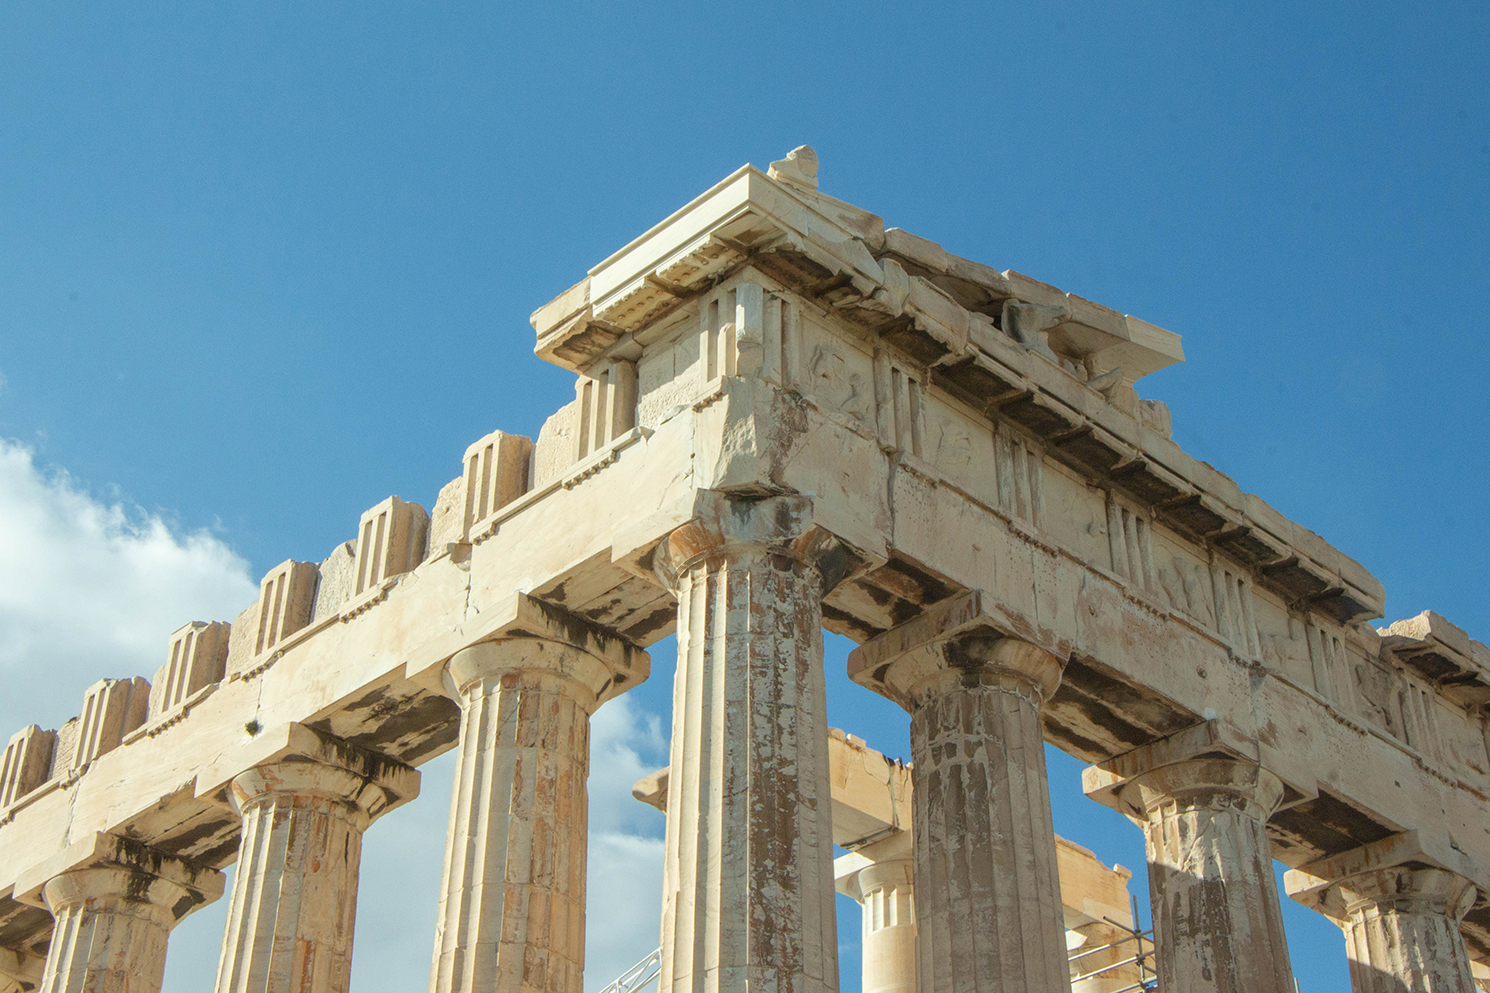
(1402, 931)
(988, 901)
(114, 911)
(990, 910)
(1217, 923)
(102, 941)
(512, 908)
(884, 890)
(748, 877)
(512, 901)
(294, 902)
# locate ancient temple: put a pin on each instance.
(788, 418)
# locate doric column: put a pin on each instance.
(988, 903)
(114, 908)
(1402, 931)
(294, 903)
(1217, 923)
(512, 903)
(1400, 912)
(747, 898)
(881, 879)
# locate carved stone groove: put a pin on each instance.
(988, 900)
(1217, 923)
(294, 902)
(748, 875)
(512, 901)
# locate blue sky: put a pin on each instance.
(262, 265)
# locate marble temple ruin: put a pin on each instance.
(786, 419)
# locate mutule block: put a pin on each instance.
(286, 596)
(496, 474)
(195, 659)
(390, 541)
(27, 760)
(111, 709)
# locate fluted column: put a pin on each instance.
(988, 903)
(512, 903)
(1217, 923)
(881, 879)
(747, 899)
(294, 902)
(113, 915)
(1401, 927)
(1402, 935)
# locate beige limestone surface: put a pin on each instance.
(948, 431)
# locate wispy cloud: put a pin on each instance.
(90, 589)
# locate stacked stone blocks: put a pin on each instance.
(789, 418)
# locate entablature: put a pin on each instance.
(1047, 365)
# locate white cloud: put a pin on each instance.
(91, 589)
(624, 884)
(403, 856)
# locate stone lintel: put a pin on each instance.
(1105, 781)
(522, 616)
(893, 854)
(1443, 654)
(1091, 890)
(871, 794)
(294, 742)
(21, 969)
(634, 545)
(651, 789)
(750, 211)
(1311, 884)
(201, 884)
(894, 663)
(559, 321)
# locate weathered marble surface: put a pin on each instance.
(988, 913)
(294, 903)
(512, 902)
(957, 431)
(747, 896)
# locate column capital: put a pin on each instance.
(1203, 764)
(1394, 873)
(962, 642)
(1207, 783)
(106, 868)
(537, 637)
(728, 524)
(299, 760)
(1409, 890)
(889, 861)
